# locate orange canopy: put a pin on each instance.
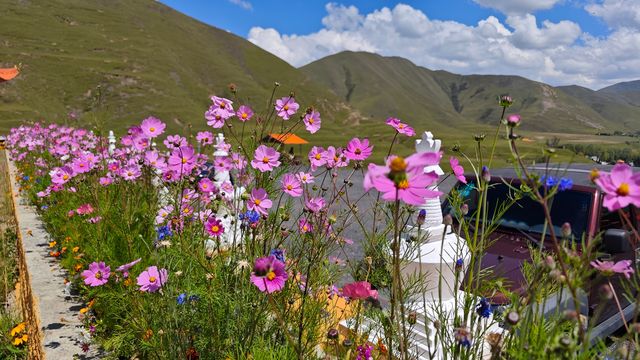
(8, 73)
(288, 139)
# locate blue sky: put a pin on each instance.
(585, 42)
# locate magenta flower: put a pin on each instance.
(97, 274)
(244, 113)
(400, 127)
(215, 117)
(259, 201)
(312, 122)
(269, 274)
(152, 127)
(182, 160)
(152, 279)
(153, 159)
(265, 158)
(205, 185)
(84, 209)
(130, 172)
(315, 204)
(317, 157)
(286, 106)
(305, 226)
(80, 166)
(608, 268)
(222, 164)
(214, 227)
(61, 175)
(404, 178)
(513, 120)
(291, 185)
(124, 269)
(458, 170)
(205, 138)
(222, 104)
(621, 187)
(175, 141)
(359, 290)
(305, 178)
(358, 149)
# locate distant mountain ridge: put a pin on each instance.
(380, 86)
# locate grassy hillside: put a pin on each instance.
(628, 91)
(122, 60)
(376, 84)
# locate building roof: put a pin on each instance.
(288, 139)
(7, 74)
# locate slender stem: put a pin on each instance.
(615, 297)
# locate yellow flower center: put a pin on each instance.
(205, 186)
(403, 184)
(257, 201)
(152, 129)
(310, 120)
(265, 160)
(245, 115)
(289, 187)
(215, 228)
(623, 189)
(398, 164)
(152, 279)
(318, 156)
(99, 275)
(401, 126)
(358, 151)
(286, 107)
(65, 177)
(271, 275)
(223, 105)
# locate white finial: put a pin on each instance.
(428, 144)
(219, 146)
(112, 142)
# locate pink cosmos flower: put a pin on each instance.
(304, 226)
(358, 149)
(265, 158)
(97, 274)
(312, 122)
(336, 158)
(152, 279)
(152, 127)
(259, 201)
(404, 178)
(124, 269)
(153, 159)
(317, 157)
(84, 209)
(286, 106)
(305, 178)
(215, 117)
(163, 214)
(458, 170)
(239, 162)
(244, 113)
(205, 138)
(291, 185)
(400, 127)
(609, 268)
(222, 163)
(205, 185)
(182, 160)
(315, 204)
(80, 165)
(222, 104)
(621, 187)
(269, 274)
(130, 172)
(359, 290)
(175, 141)
(104, 181)
(94, 220)
(214, 227)
(61, 175)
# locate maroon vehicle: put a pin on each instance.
(523, 225)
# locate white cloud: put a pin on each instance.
(518, 6)
(556, 53)
(243, 4)
(617, 13)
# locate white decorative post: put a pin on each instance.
(112, 142)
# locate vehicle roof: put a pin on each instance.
(579, 173)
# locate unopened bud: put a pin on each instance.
(505, 100)
(605, 292)
(566, 230)
(557, 275)
(485, 174)
(447, 219)
(479, 137)
(245, 196)
(332, 334)
(571, 315)
(513, 317)
(422, 215)
(412, 318)
(549, 262)
(464, 209)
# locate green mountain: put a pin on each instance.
(628, 91)
(123, 60)
(379, 86)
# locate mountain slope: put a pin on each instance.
(628, 91)
(123, 60)
(376, 84)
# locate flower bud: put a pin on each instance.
(505, 100)
(422, 215)
(549, 262)
(485, 174)
(447, 219)
(479, 137)
(557, 275)
(347, 343)
(566, 230)
(605, 292)
(412, 318)
(332, 334)
(512, 317)
(594, 174)
(464, 209)
(245, 196)
(513, 120)
(571, 315)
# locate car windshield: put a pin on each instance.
(570, 206)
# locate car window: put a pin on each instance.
(613, 220)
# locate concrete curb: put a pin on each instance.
(56, 311)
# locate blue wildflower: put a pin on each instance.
(163, 232)
(462, 336)
(250, 216)
(44, 207)
(182, 298)
(459, 264)
(484, 308)
(565, 184)
(278, 254)
(26, 178)
(549, 181)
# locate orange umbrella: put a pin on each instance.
(8, 73)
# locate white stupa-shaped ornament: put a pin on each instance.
(432, 206)
(112, 142)
(221, 176)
